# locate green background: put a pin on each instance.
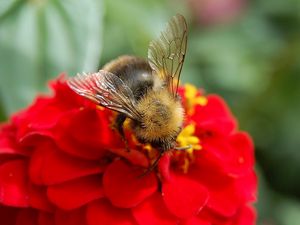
(251, 59)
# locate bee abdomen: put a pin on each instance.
(135, 72)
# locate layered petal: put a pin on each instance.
(76, 193)
(225, 198)
(154, 211)
(125, 186)
(71, 217)
(45, 218)
(103, 213)
(216, 110)
(27, 217)
(49, 165)
(14, 183)
(8, 215)
(85, 133)
(184, 197)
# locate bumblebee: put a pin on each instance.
(145, 91)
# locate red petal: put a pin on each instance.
(38, 118)
(103, 213)
(134, 156)
(46, 219)
(208, 129)
(17, 191)
(125, 187)
(45, 112)
(8, 215)
(36, 166)
(38, 198)
(76, 193)
(13, 184)
(216, 107)
(247, 187)
(183, 196)
(243, 160)
(85, 133)
(66, 168)
(231, 154)
(195, 220)
(27, 217)
(51, 166)
(74, 217)
(224, 200)
(8, 142)
(245, 216)
(153, 211)
(224, 197)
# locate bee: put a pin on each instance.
(145, 91)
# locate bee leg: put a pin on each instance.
(153, 166)
(119, 126)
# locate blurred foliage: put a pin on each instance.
(253, 61)
(39, 39)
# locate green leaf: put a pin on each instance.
(288, 212)
(40, 39)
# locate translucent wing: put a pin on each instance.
(166, 54)
(106, 89)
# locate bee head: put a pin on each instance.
(162, 118)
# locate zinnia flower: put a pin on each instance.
(62, 162)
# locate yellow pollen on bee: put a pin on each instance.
(192, 99)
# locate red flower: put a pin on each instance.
(62, 162)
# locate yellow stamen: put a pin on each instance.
(186, 138)
(192, 98)
(201, 100)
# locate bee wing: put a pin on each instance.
(106, 89)
(166, 54)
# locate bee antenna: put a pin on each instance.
(183, 147)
